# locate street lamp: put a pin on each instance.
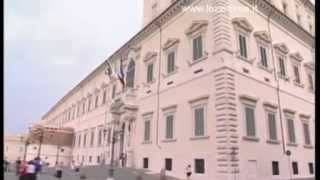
(114, 138)
(26, 144)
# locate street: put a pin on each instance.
(93, 173)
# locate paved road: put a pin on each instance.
(94, 173)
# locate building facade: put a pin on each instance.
(211, 83)
(14, 146)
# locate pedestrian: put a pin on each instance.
(38, 165)
(23, 170)
(18, 161)
(188, 172)
(31, 171)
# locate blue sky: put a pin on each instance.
(52, 45)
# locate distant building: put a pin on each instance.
(14, 146)
(228, 92)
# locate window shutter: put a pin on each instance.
(199, 121)
(272, 127)
(169, 131)
(296, 73)
(306, 134)
(250, 122)
(147, 131)
(282, 67)
(291, 131)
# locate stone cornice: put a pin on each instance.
(149, 56)
(282, 47)
(262, 35)
(164, 17)
(296, 56)
(170, 42)
(243, 23)
(196, 26)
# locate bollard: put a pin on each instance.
(163, 174)
(139, 176)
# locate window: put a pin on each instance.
(89, 104)
(98, 159)
(104, 97)
(272, 126)
(130, 74)
(169, 126)
(78, 109)
(149, 72)
(90, 159)
(168, 164)
(310, 80)
(83, 107)
(285, 8)
(296, 74)
(282, 66)
(109, 136)
(295, 168)
(73, 112)
(275, 168)
(250, 121)
(197, 48)
(79, 140)
(99, 137)
(92, 138)
(310, 168)
(243, 46)
(298, 15)
(114, 88)
(263, 56)
(171, 62)
(147, 126)
(61, 150)
(199, 121)
(84, 139)
(199, 167)
(97, 101)
(291, 131)
(145, 163)
(306, 132)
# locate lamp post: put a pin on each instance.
(114, 138)
(40, 141)
(26, 144)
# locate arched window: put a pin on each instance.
(130, 74)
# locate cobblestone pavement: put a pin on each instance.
(94, 173)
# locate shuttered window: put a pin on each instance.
(310, 79)
(199, 121)
(97, 101)
(147, 125)
(306, 134)
(104, 97)
(114, 88)
(130, 74)
(168, 164)
(291, 131)
(310, 165)
(169, 126)
(197, 48)
(296, 74)
(150, 73)
(250, 121)
(243, 46)
(92, 137)
(171, 62)
(282, 66)
(263, 54)
(99, 137)
(272, 126)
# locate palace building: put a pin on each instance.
(226, 86)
